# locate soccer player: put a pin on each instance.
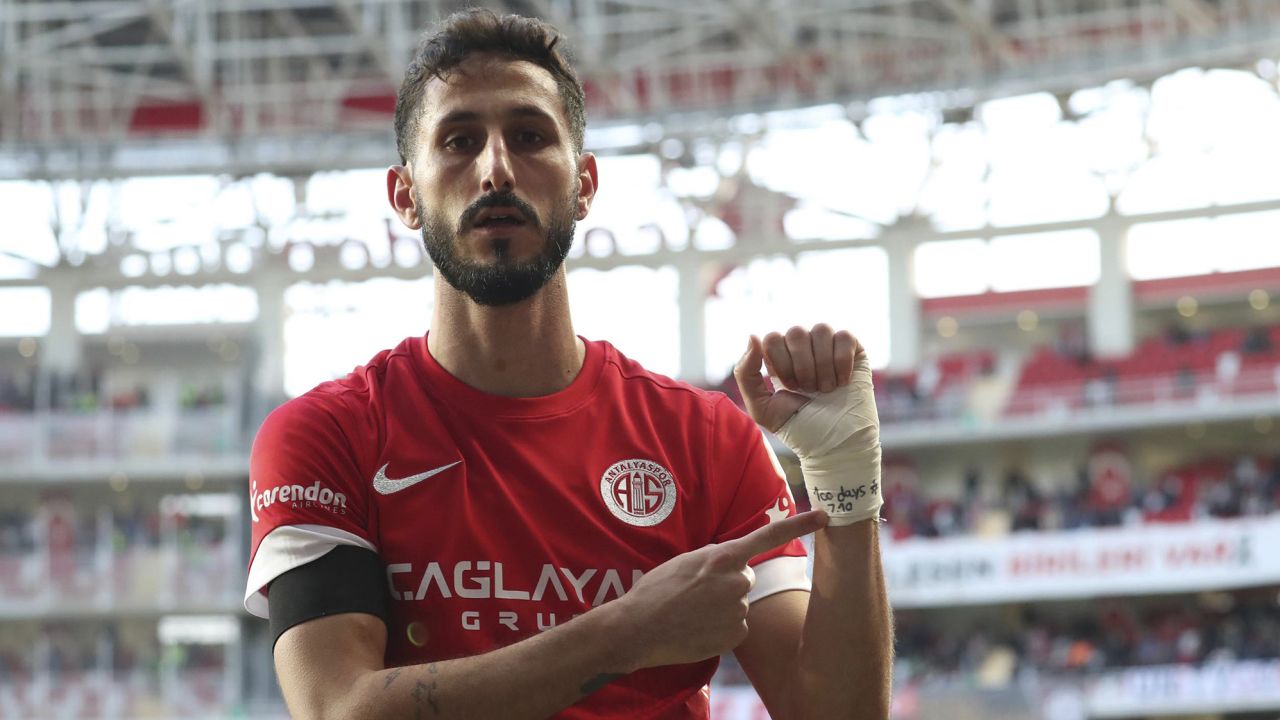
(503, 520)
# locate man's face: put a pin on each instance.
(496, 180)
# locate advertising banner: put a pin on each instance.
(1185, 689)
(1141, 560)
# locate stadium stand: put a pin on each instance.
(1244, 486)
(965, 539)
(1082, 481)
(1178, 365)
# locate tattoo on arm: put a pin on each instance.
(431, 698)
(391, 677)
(421, 691)
(598, 682)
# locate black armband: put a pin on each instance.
(346, 579)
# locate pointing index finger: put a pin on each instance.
(776, 533)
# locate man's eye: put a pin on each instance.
(458, 142)
(531, 137)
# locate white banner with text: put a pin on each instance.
(1142, 560)
(1252, 685)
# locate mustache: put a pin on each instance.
(495, 200)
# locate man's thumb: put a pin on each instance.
(751, 382)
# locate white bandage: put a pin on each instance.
(836, 435)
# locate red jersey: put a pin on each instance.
(500, 517)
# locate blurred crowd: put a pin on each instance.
(57, 524)
(939, 646)
(1108, 635)
(81, 556)
(70, 669)
(20, 390)
(1179, 364)
(70, 650)
(1246, 485)
(86, 391)
(17, 390)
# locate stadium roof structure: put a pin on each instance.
(108, 88)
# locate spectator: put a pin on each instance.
(17, 391)
(1247, 486)
(1176, 335)
(1023, 501)
(1072, 343)
(1257, 341)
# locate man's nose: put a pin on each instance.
(496, 174)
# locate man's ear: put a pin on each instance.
(588, 182)
(400, 195)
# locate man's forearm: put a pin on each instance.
(533, 678)
(685, 610)
(845, 663)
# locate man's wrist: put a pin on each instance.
(846, 484)
(836, 435)
(627, 646)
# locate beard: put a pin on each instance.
(503, 281)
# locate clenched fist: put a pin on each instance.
(804, 361)
(825, 412)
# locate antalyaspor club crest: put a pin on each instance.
(638, 492)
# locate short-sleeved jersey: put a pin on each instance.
(497, 518)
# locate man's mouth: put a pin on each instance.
(499, 218)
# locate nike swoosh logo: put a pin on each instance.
(386, 485)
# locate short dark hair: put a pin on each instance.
(480, 30)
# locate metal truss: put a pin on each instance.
(102, 88)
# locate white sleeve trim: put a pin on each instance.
(288, 547)
(777, 574)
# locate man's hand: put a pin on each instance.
(694, 606)
(804, 361)
(826, 413)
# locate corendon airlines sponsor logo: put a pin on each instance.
(638, 492)
(484, 580)
(313, 495)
